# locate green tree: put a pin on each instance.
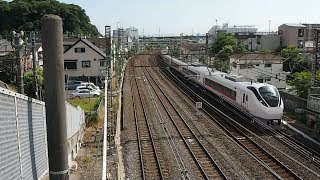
(302, 82)
(225, 46)
(294, 62)
(224, 53)
(29, 84)
(7, 70)
(176, 51)
(223, 39)
(26, 15)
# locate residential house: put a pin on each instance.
(195, 52)
(84, 61)
(27, 57)
(99, 42)
(260, 67)
(258, 42)
(292, 34)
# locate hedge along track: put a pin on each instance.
(205, 163)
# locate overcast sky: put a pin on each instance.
(197, 16)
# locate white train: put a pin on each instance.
(259, 99)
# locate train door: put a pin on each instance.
(244, 101)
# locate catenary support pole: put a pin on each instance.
(105, 133)
(34, 65)
(52, 42)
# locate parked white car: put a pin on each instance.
(80, 93)
(90, 84)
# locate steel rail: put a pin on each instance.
(144, 143)
(241, 137)
(184, 137)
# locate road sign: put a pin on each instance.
(198, 105)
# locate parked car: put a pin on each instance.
(91, 88)
(85, 93)
(72, 85)
(90, 84)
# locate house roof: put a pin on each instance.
(294, 25)
(5, 46)
(257, 56)
(194, 47)
(89, 44)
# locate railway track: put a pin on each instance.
(207, 166)
(274, 165)
(151, 161)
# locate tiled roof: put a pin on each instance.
(94, 47)
(88, 43)
(257, 56)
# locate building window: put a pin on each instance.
(79, 50)
(234, 64)
(260, 80)
(300, 32)
(243, 66)
(85, 63)
(267, 65)
(300, 44)
(103, 63)
(250, 66)
(70, 64)
(280, 32)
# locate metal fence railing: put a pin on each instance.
(23, 136)
(292, 102)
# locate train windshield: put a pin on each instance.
(270, 95)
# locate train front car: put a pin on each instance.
(268, 104)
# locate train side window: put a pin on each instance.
(246, 97)
(243, 98)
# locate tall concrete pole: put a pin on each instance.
(52, 42)
(18, 44)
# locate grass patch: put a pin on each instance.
(87, 161)
(86, 104)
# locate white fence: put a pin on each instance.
(75, 120)
(23, 142)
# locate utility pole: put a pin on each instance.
(35, 79)
(18, 44)
(118, 50)
(52, 40)
(269, 25)
(314, 64)
(108, 98)
(181, 34)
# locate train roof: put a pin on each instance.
(231, 79)
(178, 62)
(201, 69)
(235, 80)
